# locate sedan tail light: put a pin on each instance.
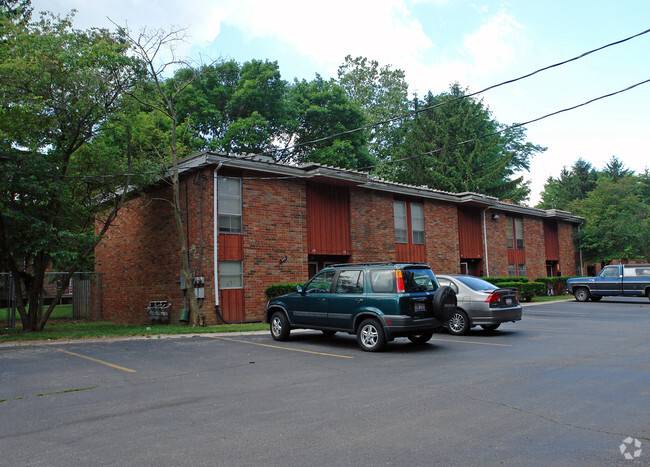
(494, 297)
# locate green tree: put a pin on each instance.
(571, 185)
(323, 118)
(446, 148)
(59, 85)
(382, 96)
(617, 221)
(235, 108)
(615, 170)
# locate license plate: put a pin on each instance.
(508, 301)
(419, 306)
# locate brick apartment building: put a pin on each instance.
(251, 222)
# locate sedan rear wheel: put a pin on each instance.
(459, 323)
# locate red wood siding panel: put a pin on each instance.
(328, 220)
(231, 305)
(551, 241)
(517, 256)
(410, 253)
(231, 247)
(470, 233)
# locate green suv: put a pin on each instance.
(375, 301)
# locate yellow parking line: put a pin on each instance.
(98, 361)
(472, 342)
(278, 347)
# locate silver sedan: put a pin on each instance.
(480, 304)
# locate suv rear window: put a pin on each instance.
(383, 281)
(419, 280)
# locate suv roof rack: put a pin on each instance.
(377, 263)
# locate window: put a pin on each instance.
(321, 283)
(519, 233)
(231, 275)
(521, 270)
(350, 282)
(383, 281)
(512, 272)
(514, 233)
(229, 205)
(417, 223)
(401, 224)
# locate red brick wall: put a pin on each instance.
(441, 237)
(535, 248)
(496, 244)
(567, 264)
(140, 257)
(274, 226)
(372, 228)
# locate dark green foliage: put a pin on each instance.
(499, 280)
(322, 110)
(488, 165)
(276, 290)
(59, 88)
(571, 185)
(558, 284)
(527, 290)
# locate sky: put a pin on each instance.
(438, 42)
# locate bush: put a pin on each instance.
(527, 290)
(500, 280)
(557, 284)
(276, 290)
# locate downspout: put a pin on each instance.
(487, 261)
(580, 251)
(215, 232)
(216, 254)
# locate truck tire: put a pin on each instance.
(581, 294)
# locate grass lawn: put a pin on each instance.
(69, 329)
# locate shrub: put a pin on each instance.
(527, 290)
(275, 290)
(500, 280)
(557, 284)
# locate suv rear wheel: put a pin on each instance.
(370, 335)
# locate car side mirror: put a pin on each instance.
(300, 290)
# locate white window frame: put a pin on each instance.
(223, 213)
(401, 231)
(226, 278)
(417, 231)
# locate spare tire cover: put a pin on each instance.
(444, 303)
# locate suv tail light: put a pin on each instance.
(400, 281)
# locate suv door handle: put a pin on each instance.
(359, 300)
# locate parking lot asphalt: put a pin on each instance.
(568, 385)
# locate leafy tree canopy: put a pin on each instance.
(446, 148)
(617, 221)
(59, 88)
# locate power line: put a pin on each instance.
(417, 111)
(511, 127)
